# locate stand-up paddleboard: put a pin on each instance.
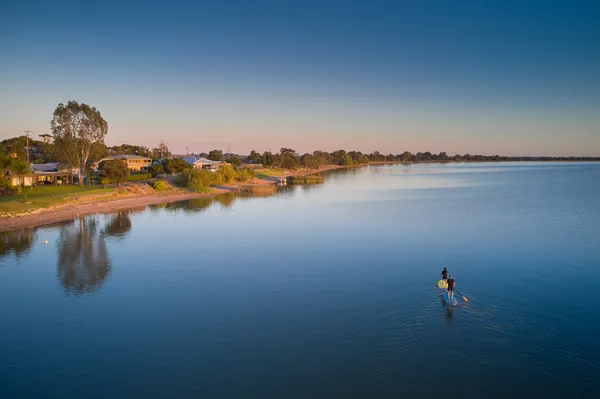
(442, 284)
(450, 301)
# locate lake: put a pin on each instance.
(318, 291)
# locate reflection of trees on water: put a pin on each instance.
(83, 262)
(17, 242)
(119, 226)
(226, 200)
(157, 207)
(287, 191)
(191, 206)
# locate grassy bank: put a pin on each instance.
(47, 196)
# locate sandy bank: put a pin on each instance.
(53, 215)
(44, 216)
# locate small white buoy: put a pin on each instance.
(46, 242)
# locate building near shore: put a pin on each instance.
(51, 173)
(135, 163)
(202, 163)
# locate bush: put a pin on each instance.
(196, 180)
(6, 188)
(228, 173)
(160, 186)
(142, 176)
(176, 165)
(115, 170)
(235, 161)
(105, 180)
(245, 174)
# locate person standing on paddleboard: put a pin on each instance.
(451, 284)
(444, 274)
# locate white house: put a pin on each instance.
(202, 163)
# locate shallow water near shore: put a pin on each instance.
(323, 290)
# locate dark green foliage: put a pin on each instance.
(255, 157)
(235, 161)
(115, 169)
(128, 149)
(156, 169)
(215, 155)
(176, 165)
(197, 180)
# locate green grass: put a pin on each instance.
(45, 196)
(142, 176)
(270, 172)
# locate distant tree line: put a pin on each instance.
(78, 133)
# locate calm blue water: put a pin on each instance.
(318, 292)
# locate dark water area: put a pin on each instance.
(323, 290)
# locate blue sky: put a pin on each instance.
(510, 77)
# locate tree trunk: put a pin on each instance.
(80, 176)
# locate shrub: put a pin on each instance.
(245, 174)
(115, 170)
(228, 173)
(105, 180)
(176, 165)
(6, 188)
(160, 186)
(196, 180)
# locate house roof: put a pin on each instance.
(196, 160)
(126, 157)
(45, 167)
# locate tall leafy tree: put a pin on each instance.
(76, 128)
(255, 157)
(215, 155)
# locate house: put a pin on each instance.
(135, 163)
(43, 173)
(202, 163)
(52, 173)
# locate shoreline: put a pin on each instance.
(45, 216)
(52, 215)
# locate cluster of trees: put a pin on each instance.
(159, 152)
(288, 159)
(199, 180)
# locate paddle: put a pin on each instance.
(460, 293)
